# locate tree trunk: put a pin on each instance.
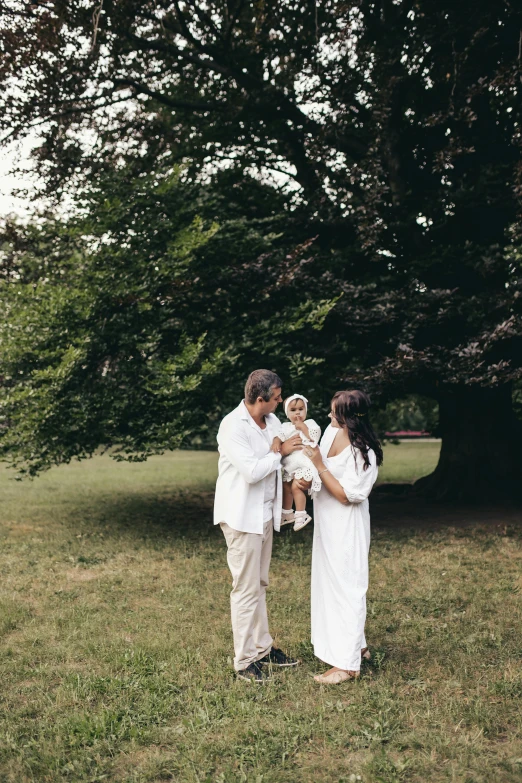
(481, 452)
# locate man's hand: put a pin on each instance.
(292, 444)
(276, 445)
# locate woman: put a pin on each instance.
(347, 460)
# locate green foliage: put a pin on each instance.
(386, 132)
(361, 162)
(409, 413)
(132, 344)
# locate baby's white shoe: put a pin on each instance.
(287, 517)
(301, 519)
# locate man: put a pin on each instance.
(248, 508)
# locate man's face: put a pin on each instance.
(273, 402)
(296, 411)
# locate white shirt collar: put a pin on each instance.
(245, 414)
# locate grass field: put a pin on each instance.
(115, 644)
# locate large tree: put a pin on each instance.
(131, 327)
(390, 132)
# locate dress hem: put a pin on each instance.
(327, 658)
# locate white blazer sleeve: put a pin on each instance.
(234, 444)
(357, 482)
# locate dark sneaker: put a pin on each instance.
(253, 673)
(278, 658)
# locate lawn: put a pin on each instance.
(115, 644)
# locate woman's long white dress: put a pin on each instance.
(340, 558)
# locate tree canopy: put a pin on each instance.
(384, 138)
(118, 326)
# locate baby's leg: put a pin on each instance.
(299, 497)
(287, 494)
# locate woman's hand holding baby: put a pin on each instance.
(314, 455)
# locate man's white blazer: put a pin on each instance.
(244, 462)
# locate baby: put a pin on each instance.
(297, 465)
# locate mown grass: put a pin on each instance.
(115, 643)
(408, 460)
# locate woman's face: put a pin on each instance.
(332, 418)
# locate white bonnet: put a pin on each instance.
(295, 397)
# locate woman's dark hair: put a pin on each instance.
(351, 411)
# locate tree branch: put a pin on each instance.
(273, 101)
(160, 46)
(13, 133)
(204, 18)
(233, 19)
(166, 100)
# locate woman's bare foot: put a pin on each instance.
(334, 676)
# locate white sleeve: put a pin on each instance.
(314, 430)
(285, 430)
(357, 482)
(234, 444)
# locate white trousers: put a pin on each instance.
(248, 558)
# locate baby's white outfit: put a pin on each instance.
(297, 464)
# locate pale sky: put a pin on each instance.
(9, 155)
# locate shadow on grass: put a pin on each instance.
(188, 514)
(183, 520)
(397, 508)
(182, 515)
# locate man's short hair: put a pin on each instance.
(260, 384)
